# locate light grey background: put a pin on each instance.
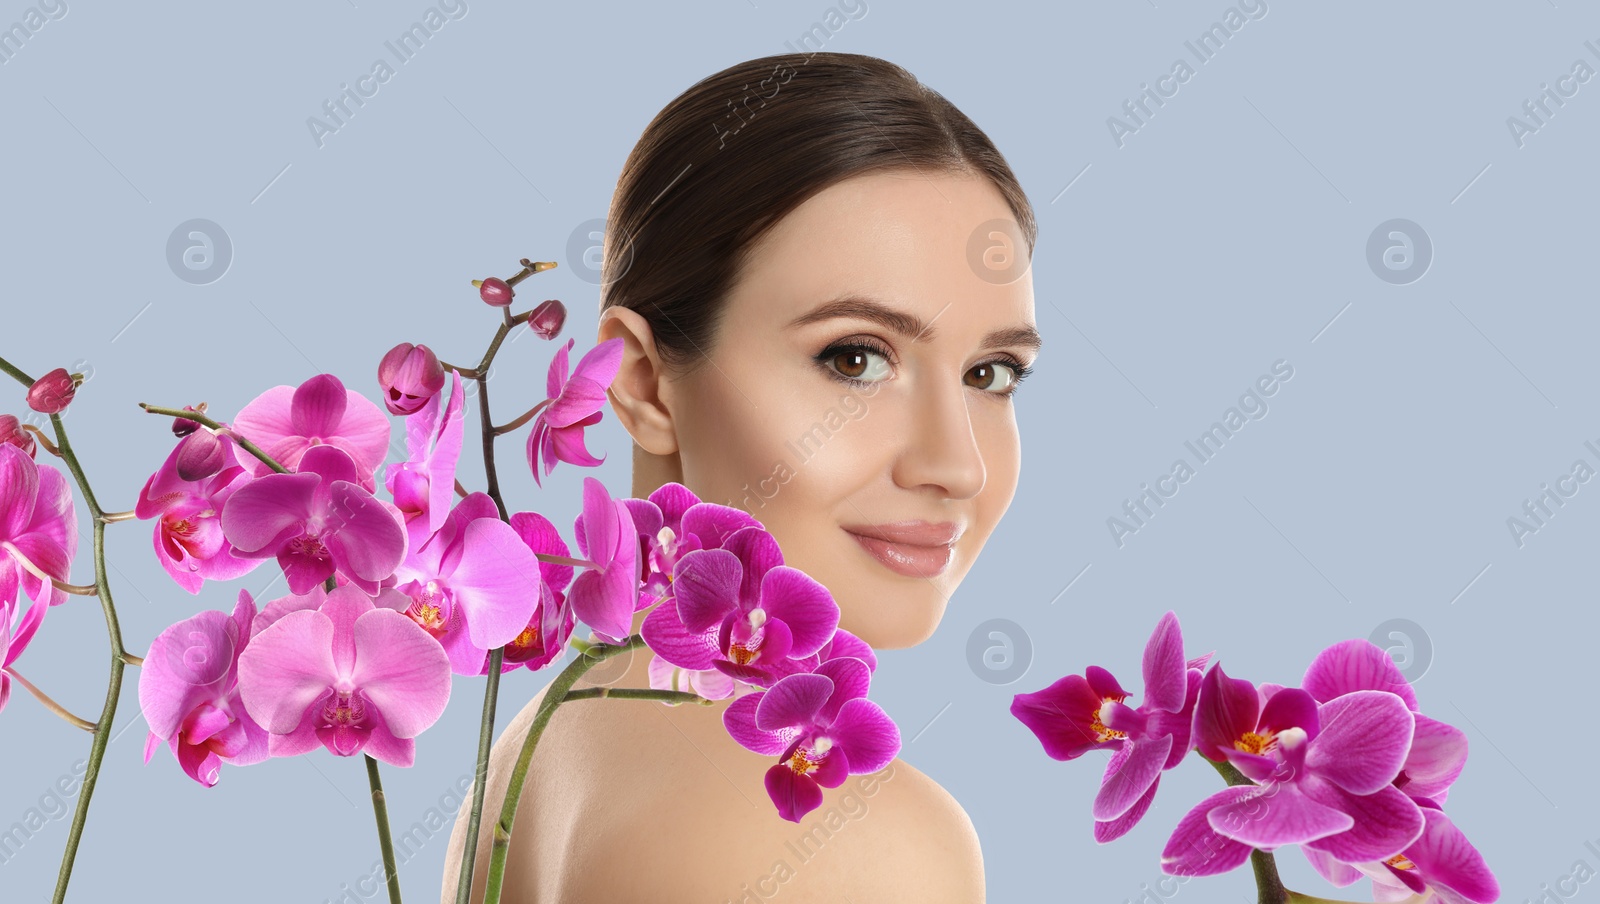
(1227, 233)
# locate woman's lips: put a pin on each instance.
(911, 560)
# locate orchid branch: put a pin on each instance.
(50, 704)
(555, 695)
(97, 748)
(207, 422)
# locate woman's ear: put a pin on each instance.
(641, 394)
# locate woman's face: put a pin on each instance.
(827, 422)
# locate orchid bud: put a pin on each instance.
(495, 291)
(201, 455)
(52, 393)
(182, 426)
(410, 375)
(12, 434)
(548, 318)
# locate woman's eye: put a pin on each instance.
(858, 363)
(994, 376)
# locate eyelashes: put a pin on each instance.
(868, 346)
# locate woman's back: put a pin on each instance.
(634, 801)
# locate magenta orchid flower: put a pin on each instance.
(1442, 858)
(473, 586)
(424, 484)
(1077, 714)
(15, 633)
(350, 676)
(673, 522)
(605, 596)
(1441, 862)
(740, 610)
(317, 522)
(547, 631)
(38, 528)
(821, 727)
(189, 692)
(574, 403)
(288, 421)
(1324, 777)
(188, 534)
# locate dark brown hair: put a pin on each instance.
(726, 160)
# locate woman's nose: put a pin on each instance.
(939, 448)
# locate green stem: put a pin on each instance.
(491, 690)
(635, 693)
(199, 418)
(108, 712)
(15, 373)
(491, 693)
(380, 811)
(555, 695)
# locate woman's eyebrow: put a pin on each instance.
(909, 325)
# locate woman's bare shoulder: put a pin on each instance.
(631, 801)
(712, 835)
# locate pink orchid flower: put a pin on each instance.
(473, 586)
(317, 522)
(1442, 858)
(189, 693)
(574, 403)
(673, 522)
(15, 633)
(1077, 714)
(38, 528)
(605, 596)
(424, 484)
(188, 534)
(1323, 777)
(822, 728)
(287, 421)
(350, 676)
(547, 631)
(740, 610)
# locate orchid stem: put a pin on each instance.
(555, 695)
(50, 704)
(461, 490)
(43, 439)
(97, 748)
(523, 419)
(380, 810)
(201, 419)
(75, 589)
(635, 693)
(15, 373)
(491, 690)
(131, 659)
(113, 517)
